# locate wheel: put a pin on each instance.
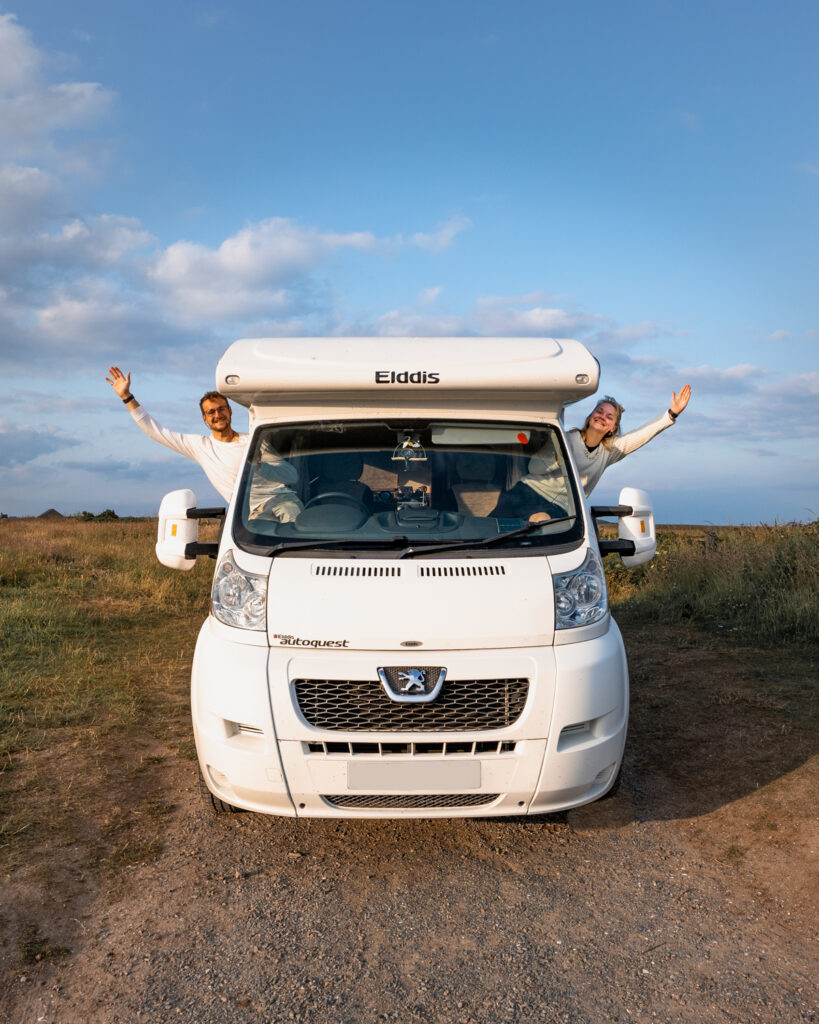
(614, 788)
(213, 803)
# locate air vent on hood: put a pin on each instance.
(461, 570)
(356, 570)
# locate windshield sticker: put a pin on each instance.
(288, 640)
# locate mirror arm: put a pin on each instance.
(196, 547)
(209, 548)
(205, 513)
(617, 547)
(598, 511)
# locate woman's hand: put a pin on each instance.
(121, 383)
(679, 402)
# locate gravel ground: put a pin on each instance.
(603, 914)
(691, 896)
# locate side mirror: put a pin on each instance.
(638, 527)
(176, 531)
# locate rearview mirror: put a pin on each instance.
(639, 527)
(175, 530)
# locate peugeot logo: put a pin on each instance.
(414, 680)
(411, 684)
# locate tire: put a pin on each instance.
(212, 803)
(614, 788)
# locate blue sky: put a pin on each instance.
(643, 176)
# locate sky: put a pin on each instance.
(642, 176)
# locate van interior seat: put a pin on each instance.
(477, 491)
(340, 471)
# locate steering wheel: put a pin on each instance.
(338, 494)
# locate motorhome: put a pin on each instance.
(409, 614)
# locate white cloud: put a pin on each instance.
(497, 316)
(32, 108)
(28, 197)
(429, 296)
(72, 287)
(104, 241)
(443, 236)
(20, 60)
(779, 336)
(21, 445)
(398, 323)
(734, 380)
(96, 321)
(247, 274)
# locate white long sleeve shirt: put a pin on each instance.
(547, 478)
(590, 464)
(270, 491)
(221, 460)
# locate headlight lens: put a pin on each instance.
(580, 596)
(238, 598)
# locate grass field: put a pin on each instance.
(97, 639)
(758, 583)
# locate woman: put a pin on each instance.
(597, 445)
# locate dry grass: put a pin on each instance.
(752, 583)
(94, 666)
(97, 640)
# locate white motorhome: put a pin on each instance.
(409, 614)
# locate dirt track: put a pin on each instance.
(690, 897)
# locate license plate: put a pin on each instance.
(418, 776)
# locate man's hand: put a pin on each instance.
(120, 382)
(679, 402)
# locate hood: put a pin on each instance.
(441, 604)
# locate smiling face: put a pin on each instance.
(604, 418)
(604, 421)
(216, 413)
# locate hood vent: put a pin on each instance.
(342, 569)
(356, 570)
(461, 570)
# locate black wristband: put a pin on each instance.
(130, 398)
(673, 415)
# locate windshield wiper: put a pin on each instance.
(344, 542)
(521, 531)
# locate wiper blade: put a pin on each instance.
(521, 531)
(319, 545)
(487, 542)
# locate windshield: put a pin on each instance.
(404, 486)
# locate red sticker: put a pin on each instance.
(523, 438)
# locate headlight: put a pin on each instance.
(580, 596)
(238, 598)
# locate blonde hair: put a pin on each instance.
(605, 400)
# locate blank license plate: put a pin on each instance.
(423, 776)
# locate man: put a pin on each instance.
(221, 455)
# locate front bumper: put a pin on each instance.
(258, 752)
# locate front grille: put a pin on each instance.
(410, 800)
(463, 705)
(341, 748)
